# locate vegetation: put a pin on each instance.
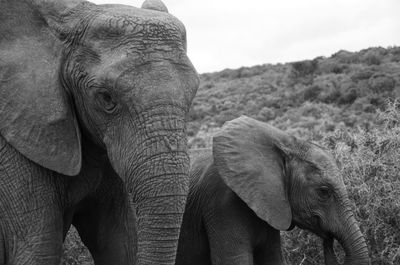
(75, 253)
(308, 97)
(345, 102)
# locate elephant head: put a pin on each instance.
(287, 182)
(74, 75)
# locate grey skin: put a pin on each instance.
(256, 181)
(93, 104)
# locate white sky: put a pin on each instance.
(234, 33)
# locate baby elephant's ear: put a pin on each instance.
(35, 115)
(248, 157)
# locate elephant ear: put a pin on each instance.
(35, 115)
(157, 5)
(249, 156)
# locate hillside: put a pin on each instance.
(308, 98)
(348, 103)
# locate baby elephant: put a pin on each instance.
(256, 181)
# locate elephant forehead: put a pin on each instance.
(319, 156)
(139, 32)
(325, 161)
(158, 79)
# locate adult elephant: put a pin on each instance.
(256, 181)
(93, 100)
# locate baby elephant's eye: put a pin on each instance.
(106, 101)
(324, 192)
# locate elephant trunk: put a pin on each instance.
(352, 241)
(158, 232)
(156, 173)
(159, 206)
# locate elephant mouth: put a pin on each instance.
(315, 226)
(292, 226)
(329, 253)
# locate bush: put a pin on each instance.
(266, 114)
(330, 96)
(75, 253)
(346, 57)
(311, 93)
(381, 83)
(362, 74)
(372, 57)
(332, 66)
(395, 54)
(349, 97)
(303, 68)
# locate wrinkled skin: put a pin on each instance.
(256, 181)
(93, 104)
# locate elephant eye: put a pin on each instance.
(106, 101)
(324, 192)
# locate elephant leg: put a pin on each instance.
(269, 252)
(31, 216)
(105, 223)
(229, 240)
(229, 246)
(226, 253)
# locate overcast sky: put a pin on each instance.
(234, 33)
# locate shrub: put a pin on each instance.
(362, 74)
(381, 83)
(330, 96)
(349, 97)
(372, 57)
(311, 93)
(304, 68)
(346, 57)
(395, 54)
(266, 114)
(332, 66)
(75, 253)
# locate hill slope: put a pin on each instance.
(306, 97)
